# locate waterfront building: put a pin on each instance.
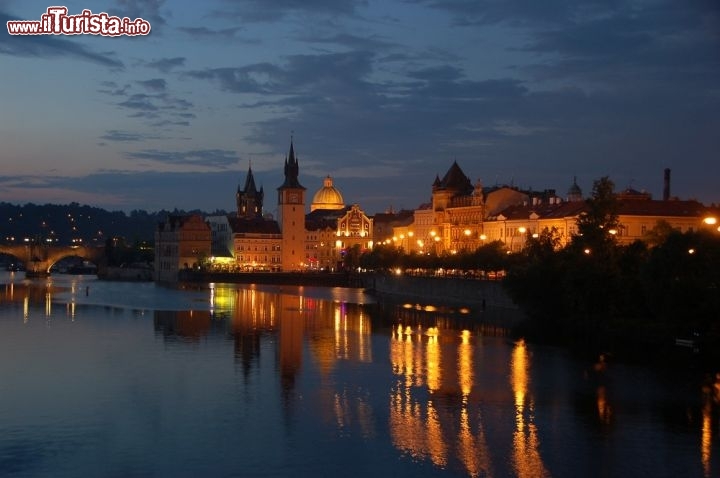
(257, 244)
(291, 211)
(454, 219)
(334, 229)
(247, 240)
(181, 242)
(221, 237)
(389, 224)
(463, 217)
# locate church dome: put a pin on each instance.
(327, 197)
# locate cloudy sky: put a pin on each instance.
(380, 94)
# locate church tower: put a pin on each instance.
(291, 212)
(249, 200)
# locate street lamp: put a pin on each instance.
(711, 221)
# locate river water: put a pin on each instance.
(111, 379)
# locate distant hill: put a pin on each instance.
(72, 223)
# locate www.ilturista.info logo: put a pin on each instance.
(57, 22)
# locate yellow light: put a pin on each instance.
(522, 230)
(613, 231)
(710, 221)
(437, 239)
(433, 233)
(467, 232)
(587, 251)
(483, 237)
(691, 251)
(398, 271)
(411, 234)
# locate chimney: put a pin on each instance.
(666, 185)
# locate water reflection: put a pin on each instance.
(434, 404)
(450, 394)
(710, 398)
(526, 452)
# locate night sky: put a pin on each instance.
(382, 95)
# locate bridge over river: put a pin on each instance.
(38, 258)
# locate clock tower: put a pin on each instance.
(291, 212)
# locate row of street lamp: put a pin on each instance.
(405, 240)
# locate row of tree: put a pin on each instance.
(653, 291)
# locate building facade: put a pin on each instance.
(462, 217)
(291, 211)
(181, 242)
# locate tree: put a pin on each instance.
(599, 218)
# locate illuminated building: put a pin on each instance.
(463, 217)
(181, 242)
(327, 197)
(291, 210)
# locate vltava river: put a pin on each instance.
(103, 379)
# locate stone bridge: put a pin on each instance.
(38, 258)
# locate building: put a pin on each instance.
(257, 244)
(463, 217)
(453, 220)
(248, 240)
(291, 211)
(249, 200)
(334, 230)
(327, 197)
(181, 242)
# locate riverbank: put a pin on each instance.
(480, 298)
(320, 279)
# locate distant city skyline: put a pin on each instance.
(380, 95)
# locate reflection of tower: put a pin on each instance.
(188, 324)
(290, 341)
(291, 209)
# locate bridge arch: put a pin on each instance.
(39, 259)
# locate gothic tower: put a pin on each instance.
(249, 200)
(291, 212)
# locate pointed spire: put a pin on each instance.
(292, 168)
(250, 187)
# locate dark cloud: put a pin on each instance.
(518, 12)
(113, 89)
(255, 78)
(155, 84)
(47, 46)
(166, 64)
(163, 123)
(220, 34)
(139, 101)
(148, 10)
(355, 42)
(161, 109)
(301, 73)
(214, 158)
(437, 73)
(264, 11)
(122, 136)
